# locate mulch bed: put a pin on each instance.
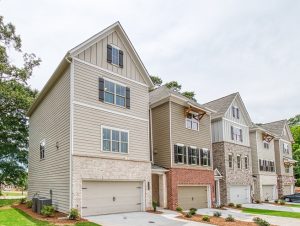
(156, 212)
(56, 219)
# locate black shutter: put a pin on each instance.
(208, 157)
(260, 165)
(184, 155)
(190, 155)
(201, 157)
(101, 89)
(237, 113)
(232, 135)
(175, 154)
(233, 111)
(109, 53)
(128, 97)
(121, 58)
(197, 156)
(241, 135)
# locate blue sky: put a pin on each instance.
(211, 47)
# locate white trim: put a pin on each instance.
(110, 111)
(170, 133)
(71, 132)
(181, 145)
(109, 72)
(151, 135)
(116, 129)
(194, 147)
(239, 124)
(113, 81)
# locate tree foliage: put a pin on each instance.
(295, 129)
(157, 81)
(15, 99)
(173, 85)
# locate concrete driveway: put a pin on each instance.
(269, 206)
(142, 219)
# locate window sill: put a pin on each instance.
(112, 152)
(115, 105)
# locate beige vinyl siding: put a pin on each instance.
(51, 121)
(161, 135)
(253, 145)
(227, 133)
(88, 134)
(188, 137)
(86, 90)
(97, 54)
(278, 157)
(217, 131)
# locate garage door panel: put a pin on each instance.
(239, 194)
(110, 197)
(268, 192)
(287, 190)
(192, 197)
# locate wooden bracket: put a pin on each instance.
(199, 112)
(266, 137)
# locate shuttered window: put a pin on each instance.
(205, 157)
(236, 134)
(115, 55)
(192, 155)
(179, 154)
(235, 112)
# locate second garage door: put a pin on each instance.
(110, 197)
(268, 192)
(192, 197)
(287, 189)
(239, 194)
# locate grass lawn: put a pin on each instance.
(14, 193)
(293, 205)
(272, 212)
(8, 202)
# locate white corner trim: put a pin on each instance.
(170, 121)
(110, 111)
(236, 123)
(109, 72)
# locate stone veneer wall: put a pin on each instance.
(176, 176)
(284, 180)
(232, 176)
(90, 168)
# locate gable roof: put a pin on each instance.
(277, 128)
(66, 60)
(164, 92)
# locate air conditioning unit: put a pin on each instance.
(43, 202)
(34, 204)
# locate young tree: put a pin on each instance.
(157, 81)
(174, 85)
(189, 94)
(15, 99)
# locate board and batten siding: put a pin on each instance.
(229, 115)
(161, 135)
(188, 137)
(86, 90)
(282, 155)
(227, 133)
(51, 121)
(97, 55)
(217, 131)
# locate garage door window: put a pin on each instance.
(114, 140)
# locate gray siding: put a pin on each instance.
(51, 121)
(217, 131)
(161, 135)
(227, 133)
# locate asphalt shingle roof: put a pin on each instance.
(274, 127)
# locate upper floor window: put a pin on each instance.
(246, 162)
(114, 140)
(287, 169)
(114, 55)
(114, 93)
(193, 155)
(285, 148)
(192, 121)
(266, 145)
(235, 112)
(205, 157)
(238, 161)
(230, 160)
(236, 134)
(267, 166)
(42, 149)
(179, 153)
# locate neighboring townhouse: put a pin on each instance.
(182, 173)
(230, 123)
(89, 129)
(283, 155)
(263, 164)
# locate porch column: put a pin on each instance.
(218, 198)
(163, 190)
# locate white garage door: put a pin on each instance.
(287, 189)
(110, 197)
(268, 192)
(239, 194)
(192, 197)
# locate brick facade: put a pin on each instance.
(176, 176)
(231, 176)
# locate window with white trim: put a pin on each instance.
(115, 55)
(192, 121)
(114, 93)
(205, 157)
(236, 134)
(246, 162)
(266, 144)
(114, 140)
(230, 160)
(179, 153)
(193, 155)
(42, 149)
(235, 112)
(238, 161)
(285, 148)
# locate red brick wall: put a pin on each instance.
(181, 176)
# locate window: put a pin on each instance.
(235, 112)
(114, 140)
(236, 134)
(261, 166)
(287, 169)
(266, 145)
(114, 56)
(179, 154)
(230, 160)
(193, 155)
(192, 121)
(246, 162)
(114, 93)
(238, 160)
(42, 149)
(205, 157)
(272, 168)
(285, 148)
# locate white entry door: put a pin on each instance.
(239, 194)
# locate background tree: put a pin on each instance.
(294, 124)
(15, 99)
(173, 85)
(190, 95)
(157, 81)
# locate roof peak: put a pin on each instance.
(236, 93)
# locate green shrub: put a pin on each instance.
(276, 201)
(179, 209)
(29, 204)
(266, 200)
(188, 215)
(193, 211)
(297, 183)
(206, 218)
(154, 205)
(230, 218)
(281, 202)
(23, 200)
(239, 206)
(217, 214)
(74, 214)
(257, 201)
(231, 204)
(47, 210)
(260, 221)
